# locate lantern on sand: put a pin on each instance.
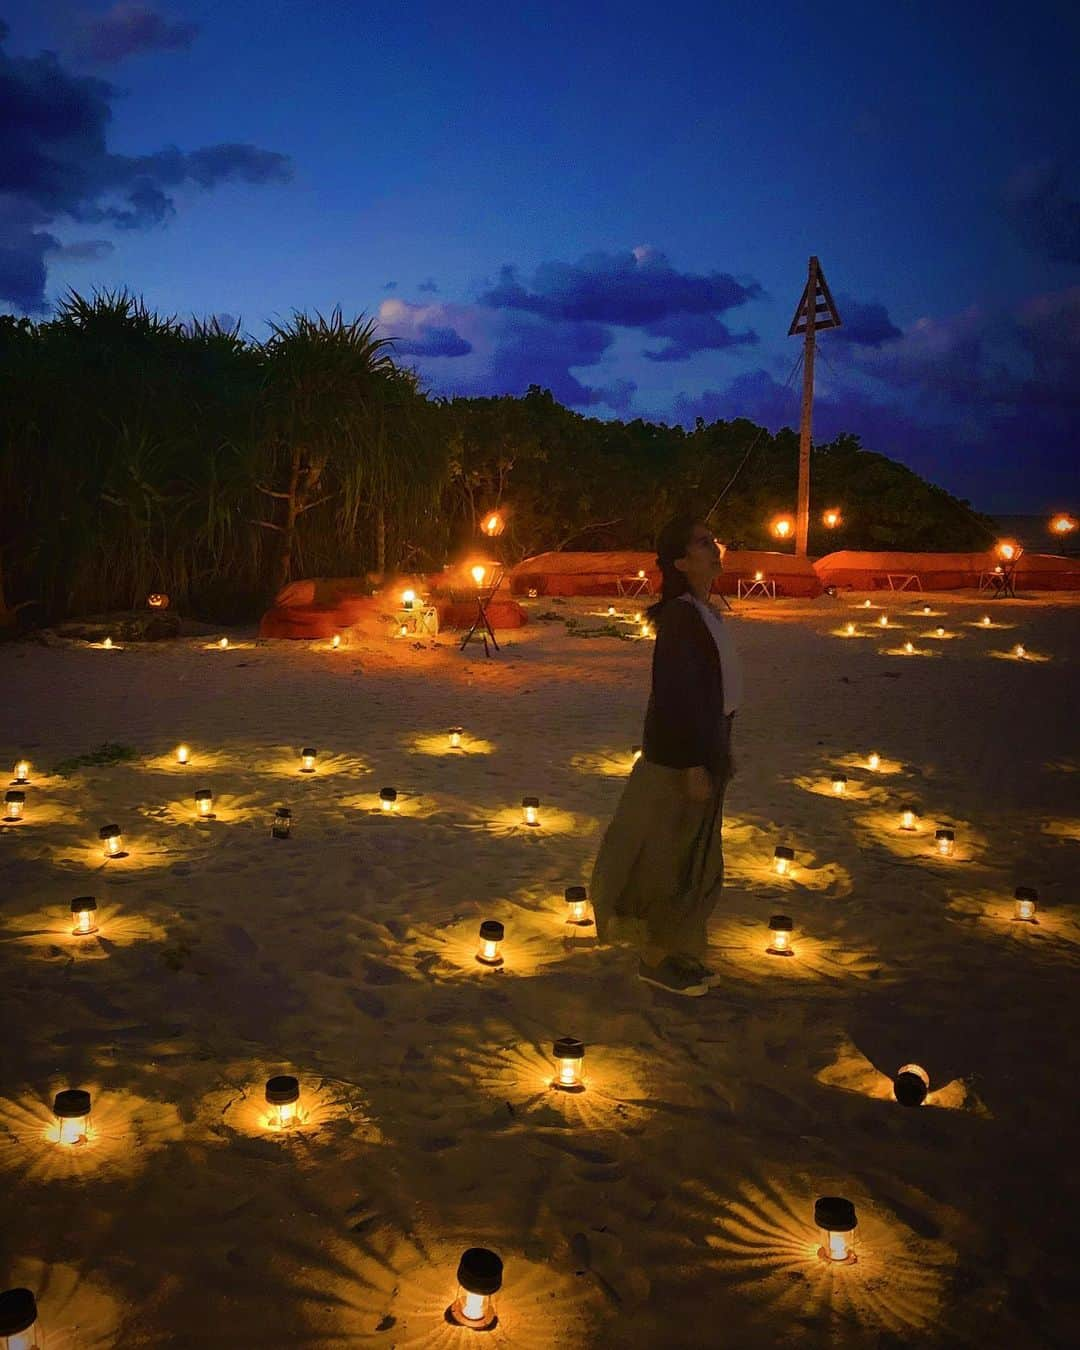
(71, 1109)
(867, 604)
(781, 928)
(107, 644)
(839, 784)
(204, 804)
(388, 798)
(223, 643)
(783, 860)
(1027, 902)
(530, 810)
(83, 913)
(455, 737)
(577, 900)
(1019, 651)
(611, 611)
(883, 622)
(909, 647)
(14, 802)
(939, 631)
(335, 641)
(22, 772)
(479, 1278)
(281, 825)
(19, 1328)
(283, 1098)
(946, 841)
(873, 761)
(307, 759)
(835, 1220)
(569, 1054)
(909, 818)
(183, 754)
(110, 838)
(911, 1085)
(851, 630)
(491, 935)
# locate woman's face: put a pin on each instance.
(702, 561)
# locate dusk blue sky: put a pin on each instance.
(614, 201)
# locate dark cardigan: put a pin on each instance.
(685, 724)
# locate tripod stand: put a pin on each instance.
(481, 625)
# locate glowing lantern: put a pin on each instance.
(388, 798)
(494, 525)
(455, 737)
(866, 604)
(851, 630)
(641, 574)
(759, 576)
(1027, 902)
(335, 641)
(281, 825)
(783, 860)
(204, 804)
(22, 771)
(569, 1054)
(110, 837)
(530, 810)
(831, 518)
(183, 754)
(307, 759)
(408, 599)
(479, 1277)
(873, 761)
(478, 574)
(157, 601)
(83, 909)
(884, 621)
(15, 801)
(909, 818)
(403, 630)
(1063, 524)
(645, 630)
(107, 643)
(909, 647)
(945, 840)
(635, 753)
(839, 783)
(223, 643)
(781, 927)
(926, 609)
(835, 1219)
(577, 900)
(985, 620)
(940, 632)
(1008, 550)
(911, 1085)
(611, 611)
(1019, 651)
(491, 934)
(18, 1320)
(782, 526)
(283, 1098)
(72, 1111)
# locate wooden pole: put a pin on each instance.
(806, 420)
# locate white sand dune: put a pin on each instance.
(671, 1203)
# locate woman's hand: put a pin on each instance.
(699, 784)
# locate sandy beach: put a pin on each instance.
(671, 1203)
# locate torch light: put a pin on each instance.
(15, 802)
(946, 841)
(478, 575)
(183, 754)
(307, 759)
(110, 838)
(204, 804)
(835, 1220)
(493, 525)
(83, 911)
(408, 599)
(911, 1085)
(22, 772)
(281, 825)
(1063, 524)
(283, 1098)
(455, 737)
(781, 928)
(1008, 550)
(479, 1278)
(18, 1320)
(839, 784)
(491, 934)
(831, 518)
(530, 810)
(577, 900)
(1027, 902)
(782, 527)
(783, 860)
(388, 798)
(71, 1108)
(569, 1054)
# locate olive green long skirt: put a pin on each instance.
(660, 868)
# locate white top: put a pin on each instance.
(730, 664)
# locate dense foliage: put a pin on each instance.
(140, 454)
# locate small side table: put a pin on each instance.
(631, 587)
(908, 581)
(766, 587)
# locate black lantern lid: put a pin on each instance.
(480, 1271)
(1026, 893)
(782, 851)
(282, 1089)
(568, 1047)
(18, 1311)
(909, 1088)
(530, 801)
(308, 750)
(456, 731)
(82, 902)
(573, 893)
(388, 794)
(944, 833)
(834, 1214)
(782, 923)
(71, 1104)
(202, 794)
(839, 777)
(14, 795)
(283, 813)
(491, 930)
(108, 831)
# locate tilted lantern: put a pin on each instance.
(456, 734)
(569, 1055)
(1027, 903)
(781, 928)
(491, 934)
(839, 784)
(19, 1320)
(113, 843)
(71, 1109)
(911, 1085)
(204, 804)
(281, 825)
(530, 810)
(307, 759)
(283, 1098)
(479, 1278)
(388, 798)
(14, 801)
(577, 900)
(946, 841)
(83, 914)
(835, 1220)
(783, 860)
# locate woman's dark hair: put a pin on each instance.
(672, 543)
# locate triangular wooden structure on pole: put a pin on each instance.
(815, 311)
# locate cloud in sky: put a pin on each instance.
(688, 334)
(129, 28)
(1044, 214)
(865, 323)
(56, 166)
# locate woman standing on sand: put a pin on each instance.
(660, 867)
